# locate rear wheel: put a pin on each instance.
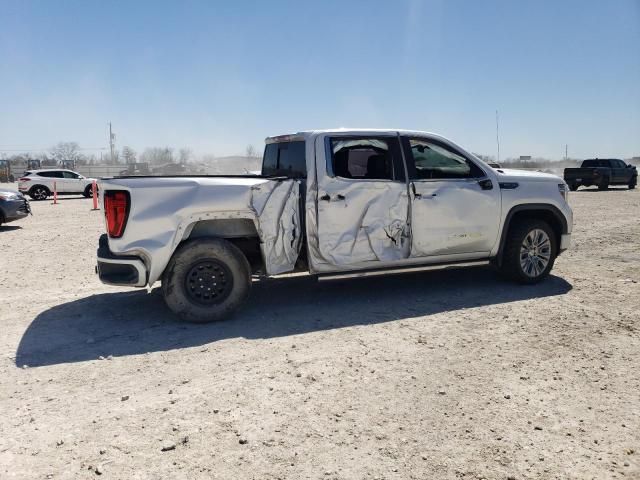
(39, 192)
(530, 251)
(207, 279)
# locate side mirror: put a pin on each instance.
(485, 184)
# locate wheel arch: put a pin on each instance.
(537, 211)
(241, 232)
(33, 187)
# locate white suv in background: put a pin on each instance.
(39, 184)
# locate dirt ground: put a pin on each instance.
(425, 376)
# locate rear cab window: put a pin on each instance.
(285, 159)
(595, 163)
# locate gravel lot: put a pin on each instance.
(436, 375)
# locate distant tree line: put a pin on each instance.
(63, 151)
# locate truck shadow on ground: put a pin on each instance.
(137, 322)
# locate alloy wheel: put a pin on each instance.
(535, 253)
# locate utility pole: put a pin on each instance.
(111, 139)
(566, 150)
(498, 136)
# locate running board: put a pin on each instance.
(395, 271)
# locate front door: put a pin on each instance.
(619, 171)
(362, 205)
(455, 207)
(72, 182)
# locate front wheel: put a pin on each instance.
(573, 187)
(206, 280)
(530, 252)
(604, 184)
(633, 183)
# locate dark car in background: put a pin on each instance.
(601, 172)
(13, 206)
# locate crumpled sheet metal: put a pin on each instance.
(277, 209)
(368, 225)
(164, 210)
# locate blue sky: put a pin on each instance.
(216, 76)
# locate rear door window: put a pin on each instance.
(366, 158)
(51, 174)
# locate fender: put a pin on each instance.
(524, 207)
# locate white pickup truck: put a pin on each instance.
(334, 203)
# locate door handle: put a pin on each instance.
(327, 198)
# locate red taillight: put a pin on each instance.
(116, 211)
(24, 179)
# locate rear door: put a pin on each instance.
(362, 203)
(455, 204)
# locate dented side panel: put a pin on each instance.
(276, 206)
(454, 216)
(353, 223)
(164, 212)
(363, 222)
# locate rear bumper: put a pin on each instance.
(125, 270)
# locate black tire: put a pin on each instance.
(88, 193)
(573, 187)
(39, 192)
(511, 260)
(633, 183)
(604, 184)
(223, 287)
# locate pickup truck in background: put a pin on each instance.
(601, 172)
(333, 203)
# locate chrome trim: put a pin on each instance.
(395, 271)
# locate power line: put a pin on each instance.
(497, 137)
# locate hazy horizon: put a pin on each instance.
(216, 78)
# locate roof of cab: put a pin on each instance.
(304, 134)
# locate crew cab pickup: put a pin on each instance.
(333, 203)
(601, 172)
